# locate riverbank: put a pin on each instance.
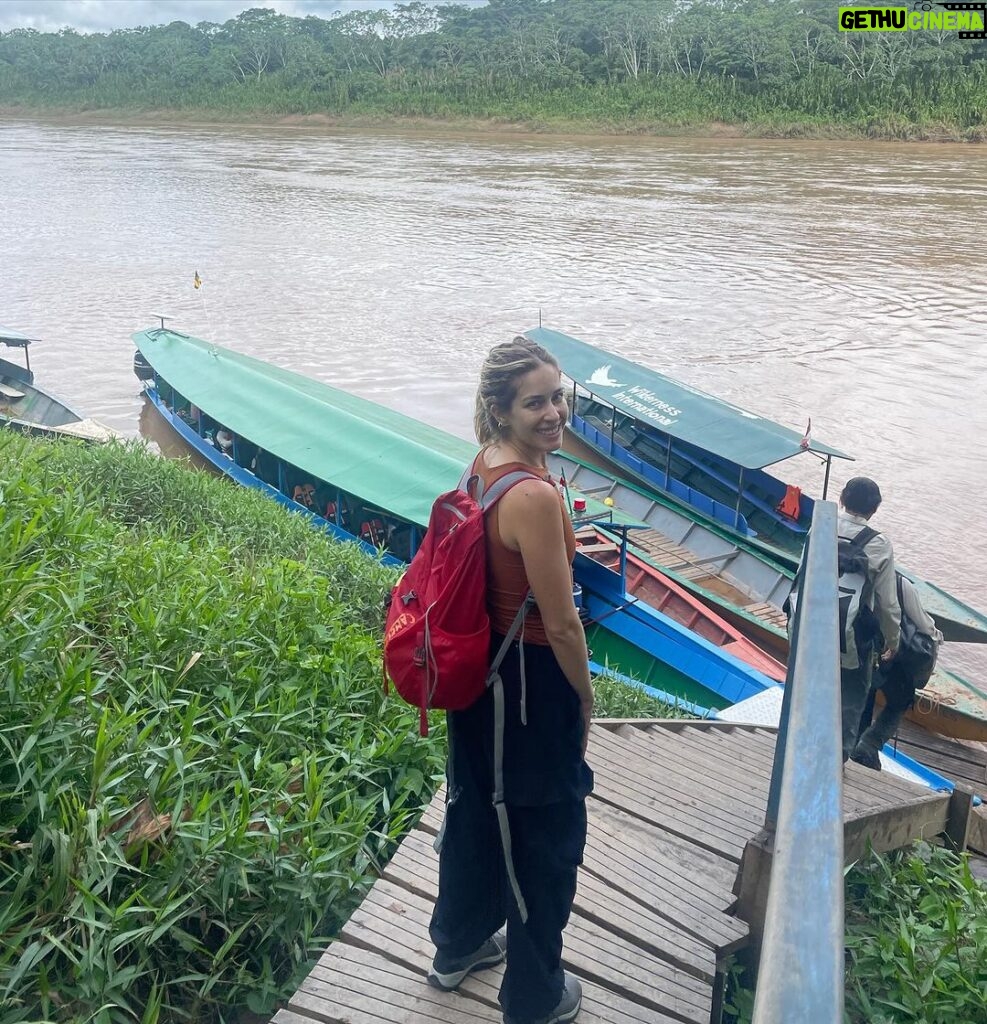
(202, 773)
(888, 129)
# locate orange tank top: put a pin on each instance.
(507, 582)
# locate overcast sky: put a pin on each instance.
(106, 15)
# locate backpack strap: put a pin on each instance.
(863, 538)
(487, 499)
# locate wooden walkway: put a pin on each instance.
(674, 806)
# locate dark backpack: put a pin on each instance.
(858, 623)
(918, 645)
(437, 633)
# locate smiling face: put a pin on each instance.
(534, 422)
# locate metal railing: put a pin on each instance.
(800, 977)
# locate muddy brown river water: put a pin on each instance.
(846, 282)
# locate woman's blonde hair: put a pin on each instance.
(505, 365)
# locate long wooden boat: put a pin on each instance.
(29, 408)
(705, 563)
(696, 550)
(367, 474)
(737, 445)
(645, 582)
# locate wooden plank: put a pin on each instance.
(682, 818)
(369, 986)
(958, 818)
(589, 549)
(290, 1017)
(367, 983)
(724, 754)
(415, 867)
(394, 923)
(612, 961)
(676, 758)
(696, 869)
(659, 886)
(658, 767)
(677, 724)
(653, 845)
(977, 837)
(609, 909)
(948, 764)
(895, 826)
(961, 750)
(862, 787)
(759, 742)
(680, 814)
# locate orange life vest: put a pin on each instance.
(790, 505)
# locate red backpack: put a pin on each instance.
(437, 633)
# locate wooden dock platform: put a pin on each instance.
(674, 807)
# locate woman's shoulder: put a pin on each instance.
(531, 498)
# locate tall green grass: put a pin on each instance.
(200, 775)
(916, 942)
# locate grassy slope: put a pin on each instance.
(199, 773)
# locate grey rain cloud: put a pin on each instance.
(107, 15)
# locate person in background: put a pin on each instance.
(859, 500)
(224, 440)
(896, 680)
(521, 412)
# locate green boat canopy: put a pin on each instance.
(683, 412)
(388, 460)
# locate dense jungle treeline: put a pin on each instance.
(768, 66)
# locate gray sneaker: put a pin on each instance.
(448, 974)
(567, 1008)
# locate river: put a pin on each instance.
(841, 281)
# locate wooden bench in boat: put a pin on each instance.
(11, 394)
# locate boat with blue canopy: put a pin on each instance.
(675, 442)
(703, 451)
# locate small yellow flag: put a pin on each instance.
(197, 281)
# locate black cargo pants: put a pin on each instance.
(547, 835)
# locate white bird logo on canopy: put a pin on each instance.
(603, 378)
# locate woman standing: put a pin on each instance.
(521, 413)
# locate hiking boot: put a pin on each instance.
(448, 974)
(567, 1008)
(867, 757)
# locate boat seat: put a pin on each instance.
(12, 394)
